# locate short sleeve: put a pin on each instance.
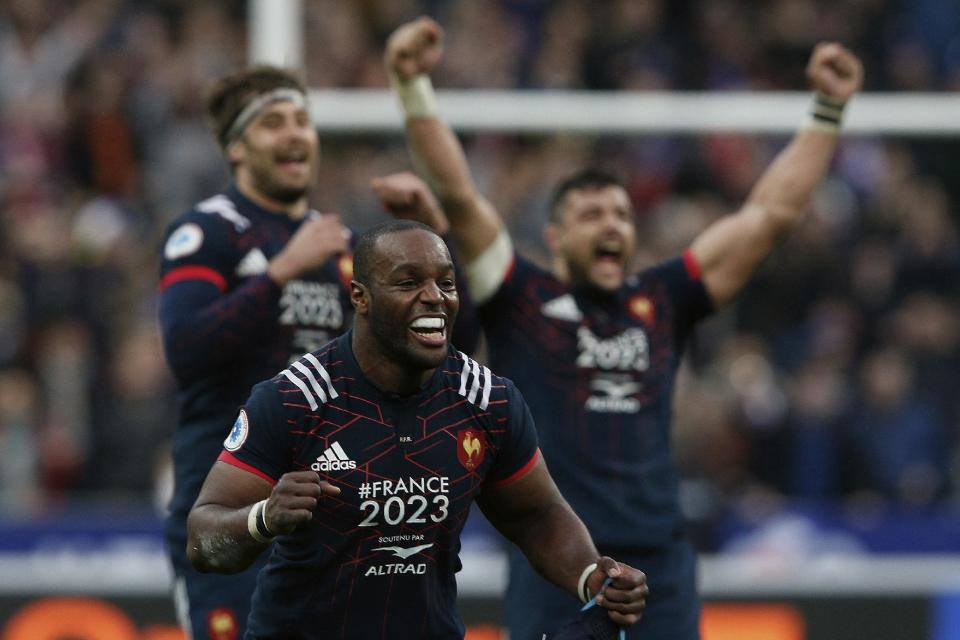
(500, 314)
(197, 248)
(257, 441)
(518, 451)
(691, 302)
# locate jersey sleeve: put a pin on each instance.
(686, 290)
(497, 313)
(258, 441)
(203, 318)
(518, 451)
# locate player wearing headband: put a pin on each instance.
(251, 278)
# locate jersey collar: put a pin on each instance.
(344, 350)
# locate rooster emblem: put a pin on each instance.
(471, 449)
(222, 624)
(471, 445)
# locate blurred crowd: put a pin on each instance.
(831, 380)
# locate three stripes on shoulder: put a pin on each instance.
(309, 381)
(472, 369)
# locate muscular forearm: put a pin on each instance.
(730, 250)
(783, 192)
(555, 542)
(440, 158)
(474, 223)
(218, 539)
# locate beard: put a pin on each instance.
(393, 340)
(286, 195)
(264, 177)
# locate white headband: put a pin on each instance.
(255, 106)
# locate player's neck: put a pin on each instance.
(381, 371)
(296, 209)
(578, 283)
(559, 269)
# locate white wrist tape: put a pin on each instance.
(826, 113)
(583, 592)
(417, 99)
(257, 523)
(488, 270)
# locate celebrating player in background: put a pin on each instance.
(362, 458)
(250, 279)
(595, 348)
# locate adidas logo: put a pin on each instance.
(334, 458)
(562, 308)
(253, 264)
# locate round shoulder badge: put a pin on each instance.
(238, 435)
(186, 239)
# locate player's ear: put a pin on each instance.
(551, 236)
(359, 297)
(235, 152)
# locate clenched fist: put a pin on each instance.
(834, 71)
(414, 48)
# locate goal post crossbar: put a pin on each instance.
(592, 112)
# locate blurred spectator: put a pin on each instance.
(134, 420)
(898, 435)
(40, 41)
(100, 151)
(20, 487)
(64, 369)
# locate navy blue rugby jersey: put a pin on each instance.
(598, 373)
(377, 561)
(226, 325)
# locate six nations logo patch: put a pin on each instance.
(184, 241)
(238, 434)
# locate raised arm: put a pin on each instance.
(412, 53)
(731, 249)
(533, 515)
(238, 513)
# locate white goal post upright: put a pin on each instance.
(275, 32)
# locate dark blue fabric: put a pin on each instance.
(536, 607)
(379, 559)
(226, 598)
(598, 373)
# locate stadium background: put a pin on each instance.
(816, 419)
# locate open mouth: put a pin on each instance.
(430, 331)
(293, 159)
(609, 251)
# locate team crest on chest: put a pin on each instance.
(222, 624)
(641, 308)
(471, 448)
